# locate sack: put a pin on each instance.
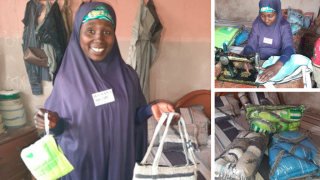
(45, 159)
(36, 56)
(273, 119)
(293, 155)
(297, 67)
(296, 18)
(143, 171)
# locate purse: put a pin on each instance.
(45, 159)
(36, 56)
(153, 171)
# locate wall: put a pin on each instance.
(309, 99)
(248, 10)
(183, 63)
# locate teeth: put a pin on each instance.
(97, 49)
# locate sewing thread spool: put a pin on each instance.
(13, 112)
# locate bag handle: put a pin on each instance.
(46, 123)
(159, 151)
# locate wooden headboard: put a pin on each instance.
(199, 97)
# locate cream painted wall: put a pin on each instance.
(248, 10)
(309, 99)
(183, 63)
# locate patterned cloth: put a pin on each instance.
(266, 9)
(293, 155)
(241, 159)
(271, 119)
(98, 13)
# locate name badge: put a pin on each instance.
(267, 40)
(103, 97)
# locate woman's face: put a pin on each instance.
(268, 17)
(96, 38)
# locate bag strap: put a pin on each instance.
(187, 145)
(46, 123)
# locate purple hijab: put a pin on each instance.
(280, 33)
(101, 142)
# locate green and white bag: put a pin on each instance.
(45, 159)
(274, 119)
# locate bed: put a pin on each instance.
(197, 104)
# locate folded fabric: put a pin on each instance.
(242, 37)
(225, 35)
(293, 155)
(290, 71)
(272, 119)
(243, 156)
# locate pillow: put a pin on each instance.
(228, 99)
(196, 124)
(293, 155)
(242, 158)
(226, 127)
(272, 119)
(225, 34)
(264, 98)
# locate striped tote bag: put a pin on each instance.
(144, 171)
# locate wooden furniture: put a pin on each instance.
(11, 144)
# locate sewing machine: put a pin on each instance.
(242, 74)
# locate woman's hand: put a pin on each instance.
(39, 118)
(270, 71)
(163, 107)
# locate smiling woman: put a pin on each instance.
(96, 38)
(97, 111)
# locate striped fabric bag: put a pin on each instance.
(144, 171)
(273, 119)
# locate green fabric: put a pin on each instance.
(46, 160)
(12, 96)
(225, 34)
(272, 119)
(98, 13)
(266, 9)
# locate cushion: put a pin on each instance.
(264, 98)
(226, 128)
(196, 124)
(242, 158)
(272, 119)
(293, 154)
(225, 34)
(228, 99)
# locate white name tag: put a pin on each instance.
(267, 40)
(103, 97)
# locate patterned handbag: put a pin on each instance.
(45, 159)
(144, 171)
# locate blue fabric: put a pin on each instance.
(295, 62)
(295, 28)
(297, 18)
(242, 37)
(297, 163)
(279, 33)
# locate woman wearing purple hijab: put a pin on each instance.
(97, 111)
(270, 36)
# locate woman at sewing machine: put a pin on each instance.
(270, 36)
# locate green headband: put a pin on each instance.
(266, 9)
(99, 12)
